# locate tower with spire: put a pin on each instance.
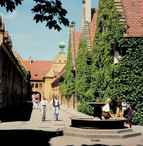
(62, 47)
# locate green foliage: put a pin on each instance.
(50, 12)
(10, 5)
(85, 108)
(67, 86)
(47, 11)
(124, 80)
(128, 77)
(83, 72)
(108, 32)
(25, 71)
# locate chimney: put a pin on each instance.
(30, 60)
(72, 30)
(88, 10)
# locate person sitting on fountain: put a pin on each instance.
(106, 109)
(126, 111)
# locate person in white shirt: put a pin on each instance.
(56, 105)
(106, 109)
(126, 111)
(43, 108)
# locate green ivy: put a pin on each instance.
(83, 76)
(67, 86)
(108, 32)
(128, 77)
(83, 71)
(124, 80)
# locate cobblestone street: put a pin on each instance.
(49, 132)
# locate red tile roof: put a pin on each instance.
(60, 75)
(76, 42)
(133, 10)
(38, 68)
(92, 26)
(56, 74)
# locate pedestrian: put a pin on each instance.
(33, 100)
(106, 109)
(43, 108)
(56, 106)
(37, 99)
(125, 109)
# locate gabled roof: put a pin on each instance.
(38, 68)
(60, 75)
(133, 11)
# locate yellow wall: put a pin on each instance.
(39, 88)
(1, 38)
(48, 88)
(49, 77)
(57, 66)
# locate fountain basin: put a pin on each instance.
(96, 123)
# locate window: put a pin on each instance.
(40, 85)
(32, 85)
(36, 85)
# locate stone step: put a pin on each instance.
(98, 131)
(122, 20)
(119, 10)
(119, 7)
(117, 1)
(102, 134)
(118, 4)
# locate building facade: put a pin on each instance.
(14, 78)
(132, 14)
(44, 72)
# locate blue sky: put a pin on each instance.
(36, 40)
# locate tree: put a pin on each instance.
(49, 11)
(67, 86)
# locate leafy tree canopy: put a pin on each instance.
(49, 11)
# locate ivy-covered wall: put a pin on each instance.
(127, 77)
(124, 80)
(83, 76)
(67, 85)
(107, 35)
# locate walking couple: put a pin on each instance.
(56, 106)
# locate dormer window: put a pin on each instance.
(36, 74)
(103, 29)
(117, 56)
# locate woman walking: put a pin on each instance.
(43, 108)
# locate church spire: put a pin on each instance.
(62, 46)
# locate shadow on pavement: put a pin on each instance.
(100, 145)
(22, 113)
(30, 137)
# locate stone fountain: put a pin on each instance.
(97, 122)
(98, 127)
